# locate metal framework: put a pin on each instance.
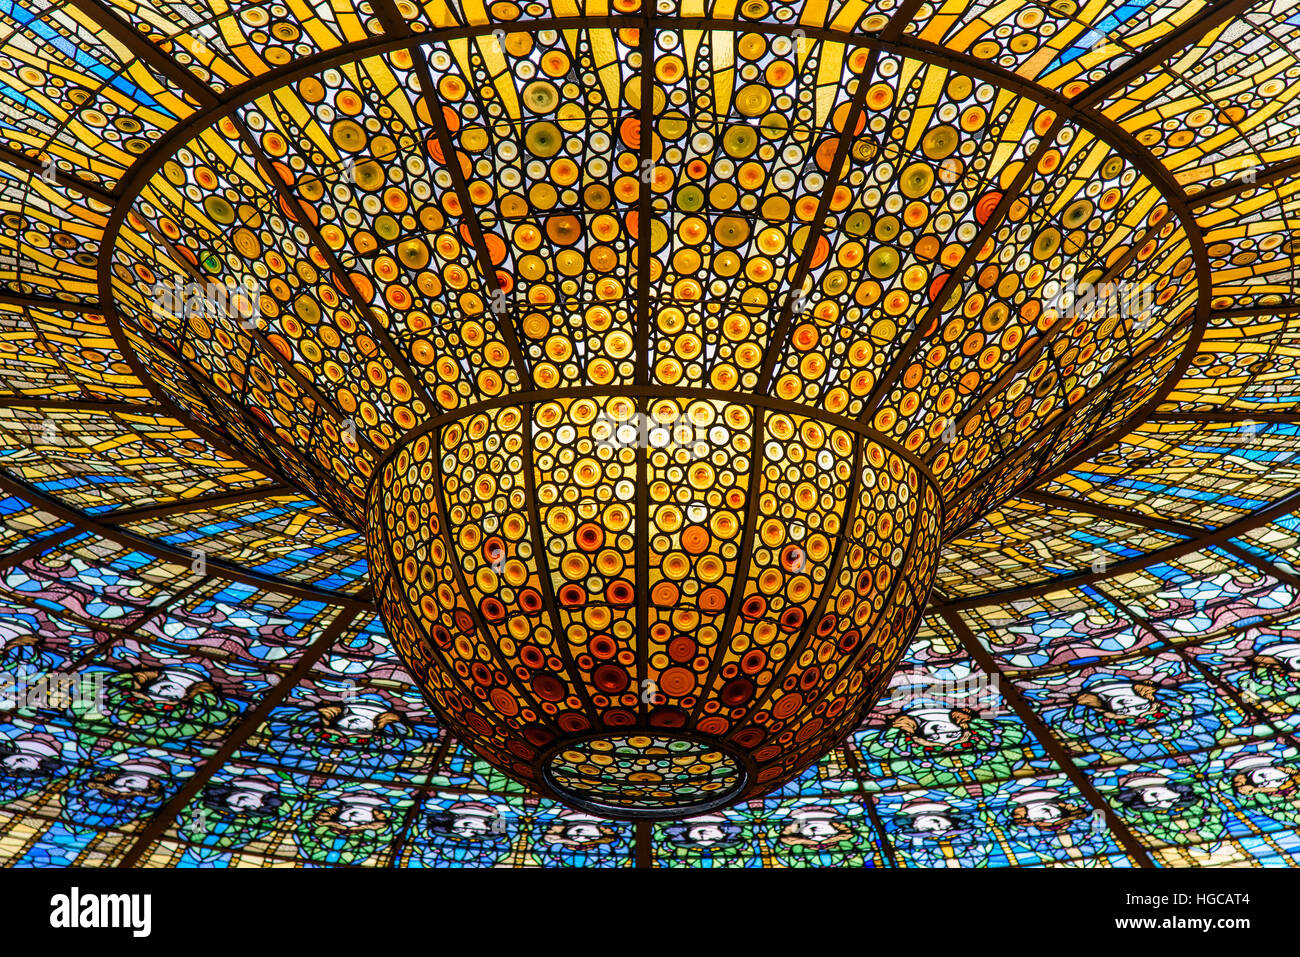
(255, 716)
(86, 523)
(1045, 737)
(398, 35)
(1216, 537)
(1164, 50)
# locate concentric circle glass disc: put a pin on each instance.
(642, 775)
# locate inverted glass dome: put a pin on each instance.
(774, 434)
(740, 321)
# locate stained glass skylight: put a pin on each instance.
(649, 434)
